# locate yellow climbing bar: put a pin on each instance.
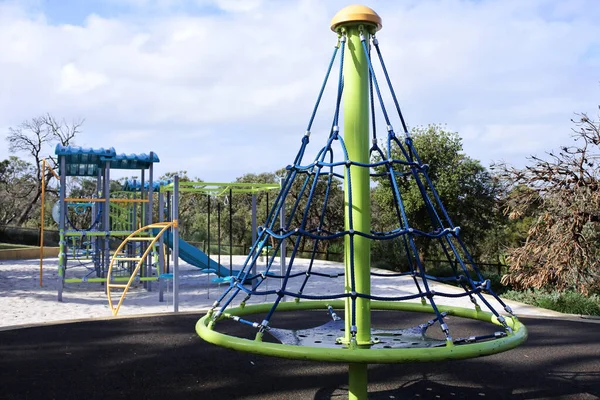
(160, 225)
(163, 226)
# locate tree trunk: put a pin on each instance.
(27, 210)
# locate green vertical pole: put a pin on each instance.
(357, 21)
(356, 137)
(356, 182)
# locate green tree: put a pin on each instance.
(465, 187)
(81, 216)
(16, 184)
(242, 206)
(191, 206)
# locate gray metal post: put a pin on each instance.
(176, 243)
(161, 248)
(149, 217)
(106, 219)
(135, 207)
(132, 247)
(254, 281)
(95, 240)
(62, 259)
(282, 226)
(142, 193)
(150, 190)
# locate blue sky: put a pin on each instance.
(76, 11)
(221, 88)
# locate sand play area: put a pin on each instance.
(23, 301)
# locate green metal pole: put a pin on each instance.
(356, 137)
(357, 21)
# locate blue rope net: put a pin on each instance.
(307, 225)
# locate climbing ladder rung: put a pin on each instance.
(157, 225)
(133, 237)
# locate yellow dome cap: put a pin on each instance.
(356, 13)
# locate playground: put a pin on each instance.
(278, 322)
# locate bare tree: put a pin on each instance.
(35, 137)
(561, 248)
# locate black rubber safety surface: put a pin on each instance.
(163, 358)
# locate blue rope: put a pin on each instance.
(321, 156)
(314, 113)
(393, 180)
(374, 79)
(321, 223)
(389, 82)
(322, 171)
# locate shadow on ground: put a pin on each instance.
(163, 358)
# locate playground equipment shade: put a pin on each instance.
(81, 161)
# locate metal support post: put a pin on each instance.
(282, 225)
(161, 249)
(106, 219)
(149, 210)
(357, 22)
(175, 219)
(254, 235)
(62, 256)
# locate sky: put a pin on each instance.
(221, 88)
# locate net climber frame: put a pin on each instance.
(362, 158)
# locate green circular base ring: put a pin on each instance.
(366, 356)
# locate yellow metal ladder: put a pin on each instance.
(116, 258)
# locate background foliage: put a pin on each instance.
(535, 227)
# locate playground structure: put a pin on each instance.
(126, 211)
(140, 256)
(352, 339)
(214, 190)
(164, 234)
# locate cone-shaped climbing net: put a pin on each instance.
(308, 197)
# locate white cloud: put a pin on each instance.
(77, 82)
(239, 5)
(226, 86)
(131, 137)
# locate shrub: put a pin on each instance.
(569, 302)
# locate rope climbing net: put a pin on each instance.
(305, 223)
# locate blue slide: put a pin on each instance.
(197, 257)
